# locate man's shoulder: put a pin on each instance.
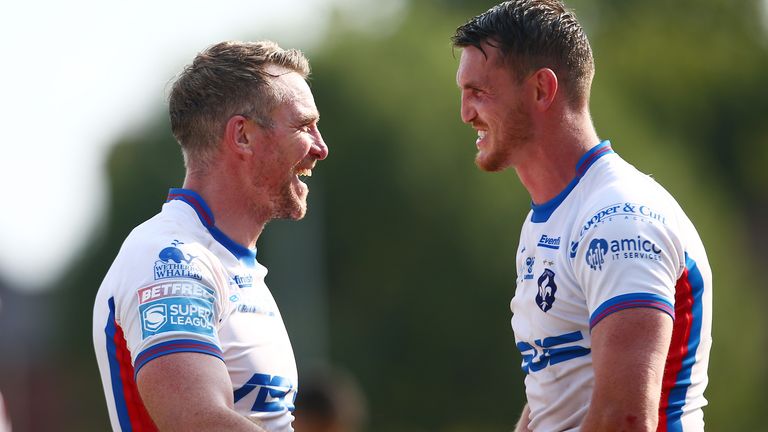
(617, 184)
(620, 198)
(163, 245)
(166, 227)
(147, 237)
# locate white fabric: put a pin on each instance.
(172, 281)
(615, 240)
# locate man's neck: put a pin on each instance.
(549, 164)
(233, 212)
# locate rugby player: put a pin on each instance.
(612, 309)
(186, 333)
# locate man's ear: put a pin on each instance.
(545, 85)
(237, 137)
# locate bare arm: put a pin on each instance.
(190, 391)
(629, 350)
(522, 424)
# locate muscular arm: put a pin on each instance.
(629, 350)
(190, 391)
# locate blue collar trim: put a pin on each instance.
(542, 212)
(243, 254)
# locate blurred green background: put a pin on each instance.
(403, 270)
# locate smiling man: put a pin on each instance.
(186, 333)
(612, 310)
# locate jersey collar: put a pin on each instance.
(243, 254)
(542, 212)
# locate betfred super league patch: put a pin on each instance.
(184, 306)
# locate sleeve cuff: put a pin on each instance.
(175, 346)
(627, 301)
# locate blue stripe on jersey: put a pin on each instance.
(535, 359)
(175, 346)
(633, 300)
(683, 380)
(548, 246)
(551, 341)
(242, 253)
(114, 369)
(542, 212)
(559, 355)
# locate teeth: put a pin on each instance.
(305, 172)
(481, 134)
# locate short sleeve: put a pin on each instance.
(627, 260)
(177, 309)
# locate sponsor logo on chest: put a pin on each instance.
(529, 261)
(549, 242)
(625, 211)
(243, 281)
(600, 250)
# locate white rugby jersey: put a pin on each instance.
(613, 239)
(179, 284)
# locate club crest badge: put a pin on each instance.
(545, 297)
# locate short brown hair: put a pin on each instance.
(532, 34)
(226, 79)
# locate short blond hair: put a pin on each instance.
(226, 79)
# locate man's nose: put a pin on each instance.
(468, 112)
(319, 148)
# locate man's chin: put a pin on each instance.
(292, 205)
(296, 210)
(298, 214)
(489, 164)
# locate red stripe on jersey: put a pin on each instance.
(678, 346)
(191, 200)
(583, 168)
(137, 413)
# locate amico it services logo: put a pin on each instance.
(638, 248)
(596, 253)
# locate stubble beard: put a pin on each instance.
(502, 151)
(289, 205)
